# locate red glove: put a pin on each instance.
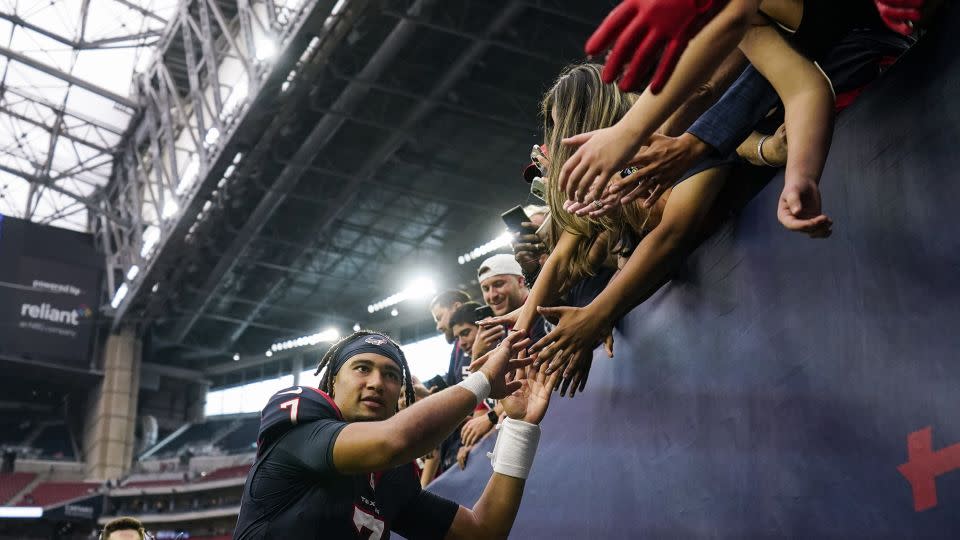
(899, 15)
(645, 29)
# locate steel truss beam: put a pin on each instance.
(150, 170)
(349, 100)
(78, 45)
(51, 130)
(92, 204)
(76, 81)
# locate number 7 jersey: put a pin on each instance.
(294, 491)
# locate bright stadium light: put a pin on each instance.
(151, 236)
(21, 512)
(328, 335)
(265, 48)
(418, 288)
(499, 242)
(132, 272)
(121, 293)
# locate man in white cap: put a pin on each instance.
(504, 290)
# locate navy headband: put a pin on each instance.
(370, 343)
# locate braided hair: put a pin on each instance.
(326, 381)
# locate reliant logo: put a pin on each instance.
(47, 312)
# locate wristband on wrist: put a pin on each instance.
(477, 384)
(492, 417)
(515, 448)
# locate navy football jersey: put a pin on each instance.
(293, 490)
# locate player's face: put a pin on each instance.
(367, 387)
(503, 293)
(467, 334)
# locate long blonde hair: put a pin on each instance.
(583, 103)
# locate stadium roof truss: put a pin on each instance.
(66, 68)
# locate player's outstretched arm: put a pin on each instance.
(375, 446)
(493, 514)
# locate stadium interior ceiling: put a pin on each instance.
(350, 147)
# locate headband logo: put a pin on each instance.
(375, 341)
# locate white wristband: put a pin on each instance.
(478, 385)
(515, 448)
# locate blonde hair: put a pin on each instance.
(582, 102)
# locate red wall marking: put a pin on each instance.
(923, 466)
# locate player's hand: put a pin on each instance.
(799, 210)
(500, 364)
(529, 403)
(602, 154)
(487, 338)
(578, 331)
(462, 454)
(642, 31)
(900, 15)
(474, 430)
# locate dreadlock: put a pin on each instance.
(326, 381)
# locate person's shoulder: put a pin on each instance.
(294, 406)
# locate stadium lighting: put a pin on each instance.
(268, 354)
(170, 208)
(328, 335)
(236, 357)
(151, 235)
(121, 293)
(356, 327)
(132, 272)
(418, 288)
(21, 512)
(394, 312)
(265, 48)
(499, 242)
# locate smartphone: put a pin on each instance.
(437, 382)
(513, 218)
(538, 190)
(483, 312)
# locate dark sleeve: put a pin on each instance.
(311, 445)
(426, 516)
(731, 119)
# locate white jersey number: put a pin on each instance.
(368, 526)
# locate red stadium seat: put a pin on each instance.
(13, 483)
(50, 493)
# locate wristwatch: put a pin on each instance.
(492, 417)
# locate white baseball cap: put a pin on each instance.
(499, 265)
